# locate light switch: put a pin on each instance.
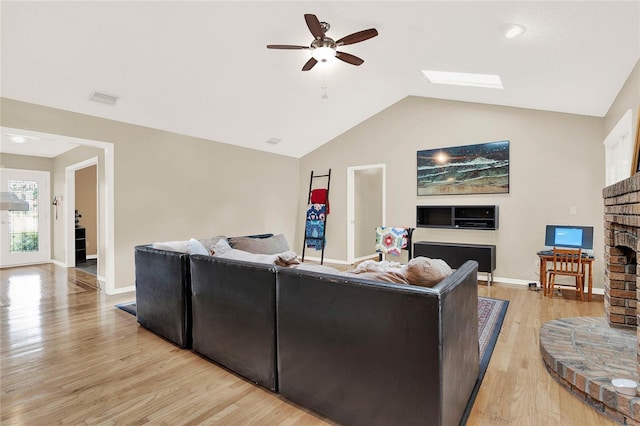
(573, 210)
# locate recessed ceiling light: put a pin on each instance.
(16, 138)
(103, 98)
(464, 79)
(513, 30)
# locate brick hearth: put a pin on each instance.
(622, 245)
(584, 354)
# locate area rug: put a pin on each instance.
(491, 313)
(129, 307)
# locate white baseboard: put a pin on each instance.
(122, 290)
(59, 263)
(92, 256)
(483, 277)
(360, 259)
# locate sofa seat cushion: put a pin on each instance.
(270, 245)
(281, 259)
(388, 276)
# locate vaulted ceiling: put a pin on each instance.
(202, 68)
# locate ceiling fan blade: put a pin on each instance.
(349, 58)
(285, 46)
(314, 26)
(310, 64)
(357, 37)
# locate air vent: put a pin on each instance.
(103, 98)
(274, 141)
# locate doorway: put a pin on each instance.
(26, 235)
(86, 227)
(107, 223)
(366, 199)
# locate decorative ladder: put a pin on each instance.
(320, 238)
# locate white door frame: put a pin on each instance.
(44, 222)
(69, 206)
(351, 229)
(106, 211)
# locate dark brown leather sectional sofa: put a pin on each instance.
(359, 352)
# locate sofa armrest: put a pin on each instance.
(460, 342)
(163, 293)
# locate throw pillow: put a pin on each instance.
(220, 247)
(195, 247)
(179, 246)
(270, 245)
(426, 272)
(209, 243)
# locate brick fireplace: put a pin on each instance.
(622, 245)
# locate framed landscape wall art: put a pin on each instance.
(468, 169)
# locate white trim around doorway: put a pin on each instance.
(351, 230)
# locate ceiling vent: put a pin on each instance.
(103, 98)
(274, 141)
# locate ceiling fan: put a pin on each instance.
(324, 48)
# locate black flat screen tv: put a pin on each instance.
(569, 236)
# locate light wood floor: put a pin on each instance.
(69, 357)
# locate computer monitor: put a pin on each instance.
(569, 236)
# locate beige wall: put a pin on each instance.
(556, 163)
(87, 205)
(628, 98)
(26, 162)
(170, 187)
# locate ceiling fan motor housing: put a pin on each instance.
(325, 42)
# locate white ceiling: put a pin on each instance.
(202, 68)
(34, 143)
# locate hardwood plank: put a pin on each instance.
(69, 356)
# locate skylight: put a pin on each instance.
(491, 81)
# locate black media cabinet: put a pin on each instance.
(460, 217)
(456, 254)
(81, 245)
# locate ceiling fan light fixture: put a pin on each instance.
(323, 54)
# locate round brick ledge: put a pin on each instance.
(584, 354)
